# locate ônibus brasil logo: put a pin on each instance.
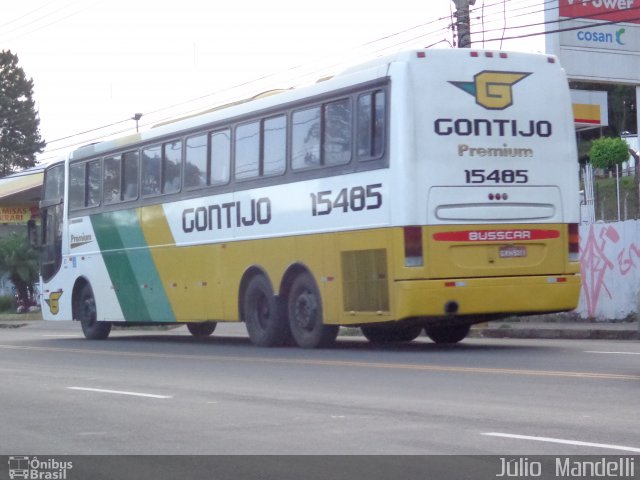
(32, 468)
(492, 89)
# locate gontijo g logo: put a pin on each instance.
(53, 301)
(492, 89)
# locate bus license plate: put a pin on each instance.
(512, 251)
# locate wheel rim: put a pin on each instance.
(89, 310)
(306, 308)
(262, 311)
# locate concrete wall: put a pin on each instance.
(610, 263)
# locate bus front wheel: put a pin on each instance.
(261, 314)
(87, 314)
(304, 311)
(447, 333)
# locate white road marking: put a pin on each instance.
(613, 353)
(563, 441)
(119, 392)
(71, 335)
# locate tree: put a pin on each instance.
(20, 261)
(20, 139)
(607, 152)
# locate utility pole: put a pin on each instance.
(463, 22)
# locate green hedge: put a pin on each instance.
(7, 304)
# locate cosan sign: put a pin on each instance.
(602, 10)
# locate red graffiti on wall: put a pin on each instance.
(625, 259)
(594, 263)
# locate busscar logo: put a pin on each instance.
(492, 90)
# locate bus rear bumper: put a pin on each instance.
(486, 296)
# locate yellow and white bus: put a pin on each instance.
(432, 189)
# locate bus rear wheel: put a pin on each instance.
(447, 333)
(87, 314)
(201, 329)
(383, 334)
(304, 312)
(261, 314)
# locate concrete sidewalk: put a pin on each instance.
(579, 330)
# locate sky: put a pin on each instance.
(96, 63)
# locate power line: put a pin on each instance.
(46, 16)
(594, 16)
(239, 86)
(34, 16)
(568, 29)
(27, 14)
(382, 43)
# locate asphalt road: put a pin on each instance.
(165, 392)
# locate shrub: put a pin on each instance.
(7, 304)
(608, 152)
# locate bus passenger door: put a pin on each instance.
(52, 212)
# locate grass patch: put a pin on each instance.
(20, 317)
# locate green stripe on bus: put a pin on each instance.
(131, 268)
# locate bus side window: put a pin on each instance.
(93, 183)
(54, 184)
(77, 185)
(195, 167)
(379, 125)
(337, 132)
(172, 163)
(130, 173)
(220, 156)
(371, 125)
(151, 170)
(274, 145)
(111, 179)
(305, 142)
(247, 151)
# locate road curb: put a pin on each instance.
(496, 330)
(572, 332)
(12, 325)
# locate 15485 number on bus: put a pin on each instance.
(496, 176)
(354, 199)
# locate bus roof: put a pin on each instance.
(369, 70)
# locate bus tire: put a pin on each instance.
(201, 329)
(87, 314)
(304, 313)
(384, 334)
(447, 333)
(262, 315)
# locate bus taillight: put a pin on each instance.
(574, 242)
(413, 247)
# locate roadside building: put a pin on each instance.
(19, 198)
